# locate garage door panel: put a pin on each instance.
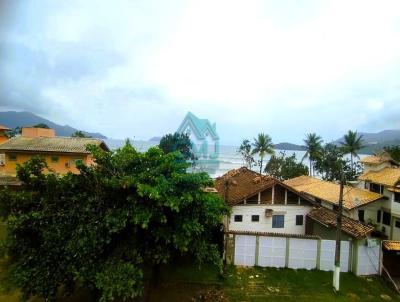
(303, 253)
(245, 250)
(271, 251)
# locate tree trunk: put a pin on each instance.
(351, 160)
(153, 282)
(261, 164)
(310, 168)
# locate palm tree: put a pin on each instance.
(352, 144)
(313, 144)
(262, 146)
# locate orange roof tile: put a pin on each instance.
(386, 176)
(238, 184)
(329, 191)
(350, 226)
(51, 144)
(391, 245)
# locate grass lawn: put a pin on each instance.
(268, 284)
(183, 282)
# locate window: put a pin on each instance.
(299, 219)
(375, 188)
(2, 159)
(238, 218)
(386, 218)
(335, 208)
(378, 216)
(397, 224)
(12, 157)
(396, 197)
(78, 161)
(255, 218)
(361, 215)
(54, 159)
(278, 221)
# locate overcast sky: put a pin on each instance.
(134, 68)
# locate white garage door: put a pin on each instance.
(368, 260)
(272, 251)
(245, 250)
(327, 257)
(303, 253)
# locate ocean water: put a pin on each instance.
(228, 157)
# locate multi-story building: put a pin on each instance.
(382, 175)
(60, 153)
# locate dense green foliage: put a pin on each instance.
(394, 152)
(285, 167)
(262, 146)
(352, 144)
(41, 125)
(80, 133)
(245, 151)
(313, 144)
(100, 228)
(178, 142)
(14, 132)
(330, 164)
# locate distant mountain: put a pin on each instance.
(155, 139)
(290, 146)
(376, 141)
(13, 119)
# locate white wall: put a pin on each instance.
(265, 223)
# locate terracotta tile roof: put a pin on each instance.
(350, 226)
(238, 184)
(270, 234)
(391, 245)
(373, 160)
(8, 180)
(386, 176)
(51, 144)
(329, 191)
(378, 159)
(4, 127)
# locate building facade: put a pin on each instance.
(262, 204)
(358, 203)
(382, 175)
(61, 153)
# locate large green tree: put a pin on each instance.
(79, 133)
(262, 146)
(313, 144)
(41, 125)
(245, 151)
(394, 152)
(178, 142)
(285, 167)
(330, 164)
(103, 227)
(352, 144)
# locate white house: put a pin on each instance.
(382, 175)
(262, 203)
(359, 204)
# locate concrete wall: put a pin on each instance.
(297, 253)
(38, 132)
(265, 223)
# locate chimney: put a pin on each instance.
(38, 132)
